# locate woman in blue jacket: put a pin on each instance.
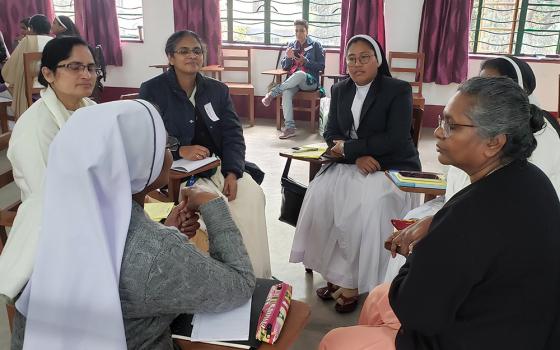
(304, 61)
(198, 111)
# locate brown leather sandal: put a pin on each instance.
(346, 304)
(325, 293)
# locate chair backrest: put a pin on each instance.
(30, 72)
(132, 96)
(8, 213)
(236, 54)
(417, 70)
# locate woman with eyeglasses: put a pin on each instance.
(13, 72)
(346, 212)
(68, 73)
(304, 60)
(198, 111)
(106, 275)
(547, 136)
(485, 273)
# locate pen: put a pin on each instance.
(302, 150)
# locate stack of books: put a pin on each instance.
(418, 179)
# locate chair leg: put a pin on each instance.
(251, 108)
(278, 113)
(313, 103)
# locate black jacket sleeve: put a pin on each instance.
(233, 143)
(332, 130)
(397, 131)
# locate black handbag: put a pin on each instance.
(256, 173)
(292, 197)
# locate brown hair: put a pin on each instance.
(301, 22)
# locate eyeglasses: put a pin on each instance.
(77, 67)
(185, 51)
(363, 59)
(447, 127)
(172, 143)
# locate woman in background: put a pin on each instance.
(13, 71)
(63, 26)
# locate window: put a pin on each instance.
(272, 21)
(131, 19)
(129, 16)
(518, 27)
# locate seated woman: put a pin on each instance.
(12, 71)
(472, 280)
(68, 72)
(346, 212)
(304, 60)
(198, 111)
(118, 279)
(63, 26)
(547, 136)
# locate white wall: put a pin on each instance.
(402, 23)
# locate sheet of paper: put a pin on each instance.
(314, 154)
(191, 165)
(229, 325)
(158, 211)
(210, 111)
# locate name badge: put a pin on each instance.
(308, 48)
(210, 112)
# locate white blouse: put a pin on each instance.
(357, 104)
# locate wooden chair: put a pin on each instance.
(417, 70)
(132, 96)
(311, 98)
(4, 103)
(30, 72)
(240, 54)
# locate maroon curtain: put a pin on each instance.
(97, 21)
(13, 11)
(202, 17)
(444, 39)
(360, 17)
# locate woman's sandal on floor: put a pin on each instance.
(326, 293)
(346, 304)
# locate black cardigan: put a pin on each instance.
(487, 275)
(385, 122)
(178, 116)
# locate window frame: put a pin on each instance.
(517, 31)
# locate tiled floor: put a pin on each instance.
(263, 146)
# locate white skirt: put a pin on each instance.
(343, 224)
(248, 213)
(426, 209)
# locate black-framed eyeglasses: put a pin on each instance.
(447, 127)
(172, 143)
(185, 51)
(77, 67)
(363, 59)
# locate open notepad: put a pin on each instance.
(188, 166)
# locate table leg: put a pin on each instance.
(174, 189)
(313, 170)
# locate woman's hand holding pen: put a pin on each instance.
(194, 152)
(338, 148)
(183, 219)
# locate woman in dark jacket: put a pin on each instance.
(198, 111)
(345, 216)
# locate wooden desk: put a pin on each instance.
(176, 177)
(429, 193)
(212, 69)
(297, 319)
(4, 103)
(314, 164)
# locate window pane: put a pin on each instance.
(64, 8)
(130, 17)
(248, 20)
(496, 26)
(542, 28)
(324, 21)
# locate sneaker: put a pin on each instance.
(287, 133)
(267, 100)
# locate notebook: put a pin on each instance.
(406, 181)
(188, 166)
(182, 328)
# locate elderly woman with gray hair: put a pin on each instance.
(471, 280)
